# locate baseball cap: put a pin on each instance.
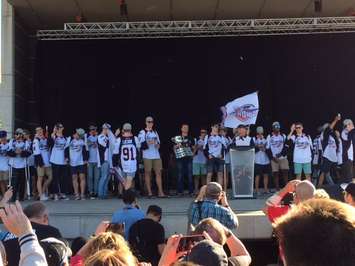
(92, 127)
(242, 126)
(127, 127)
(347, 122)
(106, 126)
(149, 119)
(57, 252)
(3, 134)
(208, 253)
(213, 189)
(349, 188)
(80, 132)
(19, 131)
(260, 130)
(276, 124)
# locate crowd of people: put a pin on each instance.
(309, 224)
(96, 156)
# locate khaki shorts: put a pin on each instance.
(44, 171)
(155, 164)
(4, 175)
(281, 164)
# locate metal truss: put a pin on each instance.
(203, 28)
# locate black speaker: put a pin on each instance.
(334, 191)
(317, 6)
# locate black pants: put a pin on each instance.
(18, 183)
(59, 184)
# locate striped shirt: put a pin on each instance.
(211, 209)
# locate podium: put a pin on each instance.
(242, 172)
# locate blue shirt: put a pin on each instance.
(211, 209)
(128, 215)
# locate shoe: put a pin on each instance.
(77, 197)
(63, 197)
(43, 198)
(56, 198)
(82, 197)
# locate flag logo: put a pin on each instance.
(246, 112)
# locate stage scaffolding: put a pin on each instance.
(203, 28)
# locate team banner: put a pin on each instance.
(242, 172)
(243, 110)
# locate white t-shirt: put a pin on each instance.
(129, 152)
(242, 141)
(150, 136)
(18, 162)
(302, 152)
(330, 151)
(200, 156)
(215, 145)
(57, 154)
(276, 144)
(4, 160)
(261, 156)
(40, 147)
(76, 147)
(93, 149)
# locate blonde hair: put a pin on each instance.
(321, 194)
(107, 257)
(113, 242)
(214, 228)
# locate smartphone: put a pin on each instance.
(117, 228)
(187, 242)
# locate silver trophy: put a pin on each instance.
(181, 151)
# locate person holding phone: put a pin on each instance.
(58, 159)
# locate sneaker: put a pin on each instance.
(63, 197)
(77, 197)
(43, 198)
(82, 197)
(56, 197)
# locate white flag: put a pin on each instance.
(243, 110)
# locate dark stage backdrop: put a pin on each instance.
(300, 78)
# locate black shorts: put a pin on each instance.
(327, 165)
(261, 169)
(79, 169)
(215, 165)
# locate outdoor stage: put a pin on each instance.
(75, 218)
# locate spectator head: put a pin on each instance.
(149, 122)
(77, 244)
(39, 131)
(3, 135)
(242, 130)
(321, 194)
(305, 190)
(349, 193)
(260, 130)
(129, 197)
(276, 126)
(208, 253)
(79, 133)
(185, 128)
(155, 213)
(37, 212)
(317, 232)
(26, 134)
(213, 191)
(299, 127)
(57, 252)
(111, 258)
(108, 240)
(348, 124)
(222, 131)
(213, 228)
